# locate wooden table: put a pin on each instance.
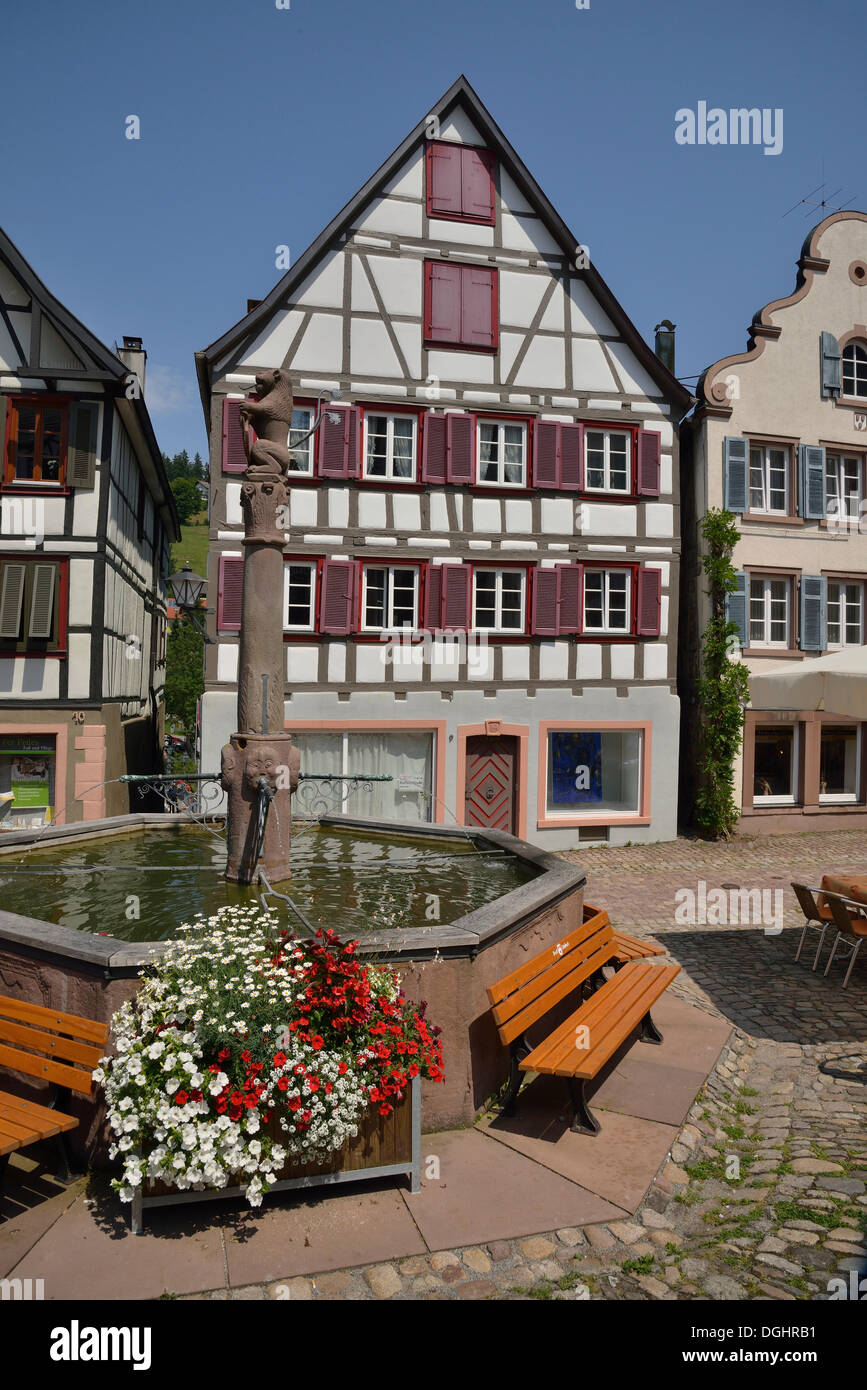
(852, 886)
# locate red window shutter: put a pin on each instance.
(433, 597)
(338, 443)
(571, 453)
(544, 607)
(649, 603)
(456, 582)
(477, 184)
(337, 602)
(459, 451)
(442, 302)
(230, 585)
(546, 470)
(478, 307)
(433, 451)
(570, 579)
(648, 463)
(443, 179)
(234, 458)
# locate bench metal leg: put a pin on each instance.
(583, 1122)
(4, 1160)
(649, 1031)
(520, 1049)
(64, 1173)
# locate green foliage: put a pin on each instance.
(184, 674)
(181, 467)
(723, 689)
(187, 498)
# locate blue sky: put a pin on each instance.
(258, 124)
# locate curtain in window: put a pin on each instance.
(407, 758)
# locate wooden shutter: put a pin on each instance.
(814, 588)
(648, 463)
(571, 580)
(433, 597)
(736, 461)
(234, 458)
(571, 457)
(546, 454)
(81, 452)
(230, 586)
(433, 449)
(477, 184)
(478, 307)
(459, 447)
(338, 442)
(338, 590)
(442, 302)
(457, 593)
(41, 622)
(444, 179)
(811, 470)
(649, 604)
(831, 366)
(11, 599)
(545, 605)
(737, 608)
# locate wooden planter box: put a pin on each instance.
(385, 1146)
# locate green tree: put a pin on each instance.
(723, 689)
(187, 498)
(185, 679)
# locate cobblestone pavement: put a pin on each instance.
(764, 1194)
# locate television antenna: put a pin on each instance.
(824, 202)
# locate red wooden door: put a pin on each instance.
(492, 767)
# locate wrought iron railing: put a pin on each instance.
(199, 794)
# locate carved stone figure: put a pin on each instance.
(244, 762)
(271, 418)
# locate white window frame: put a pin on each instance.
(389, 476)
(309, 445)
(607, 629)
(498, 628)
(501, 425)
(389, 625)
(835, 469)
(765, 450)
(299, 564)
(844, 584)
(607, 436)
(841, 798)
(788, 800)
(859, 372)
(766, 580)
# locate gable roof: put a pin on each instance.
(98, 363)
(460, 94)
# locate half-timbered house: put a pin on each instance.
(482, 545)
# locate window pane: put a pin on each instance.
(25, 451)
(618, 455)
(377, 445)
(594, 770)
(774, 763)
(595, 458)
(757, 477)
(403, 602)
(512, 616)
(374, 607)
(594, 588)
(403, 447)
(302, 455)
(300, 595)
(486, 598)
(838, 762)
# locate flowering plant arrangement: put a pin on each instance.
(241, 1033)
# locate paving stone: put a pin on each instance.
(477, 1260)
(384, 1281)
(441, 1259)
(332, 1285)
(722, 1286)
(570, 1235)
(627, 1231)
(654, 1286)
(453, 1274)
(851, 1186)
(478, 1289)
(250, 1293)
(296, 1290)
(425, 1284)
(675, 1174)
(499, 1250)
(521, 1277)
(779, 1263)
(653, 1219)
(773, 1246)
(664, 1238)
(537, 1247)
(815, 1165)
(845, 1248)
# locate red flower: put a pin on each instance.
(295, 1103)
(224, 1055)
(279, 1059)
(283, 1083)
(343, 1068)
(385, 1110)
(317, 1043)
(313, 1084)
(246, 1057)
(251, 1102)
(181, 1098)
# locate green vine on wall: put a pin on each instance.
(723, 689)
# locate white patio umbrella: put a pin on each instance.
(836, 684)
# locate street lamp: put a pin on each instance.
(187, 589)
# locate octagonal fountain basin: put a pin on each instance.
(84, 907)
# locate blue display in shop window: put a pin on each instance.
(576, 766)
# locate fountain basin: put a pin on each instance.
(448, 964)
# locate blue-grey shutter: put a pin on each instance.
(737, 608)
(811, 461)
(832, 379)
(814, 589)
(736, 462)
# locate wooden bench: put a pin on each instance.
(628, 947)
(57, 1047)
(612, 1010)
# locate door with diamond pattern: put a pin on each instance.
(492, 767)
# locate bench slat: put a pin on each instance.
(601, 1011)
(57, 1072)
(632, 948)
(50, 1045)
(655, 985)
(39, 1117)
(552, 975)
(73, 1024)
(517, 978)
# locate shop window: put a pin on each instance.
(404, 758)
(26, 780)
(775, 767)
(594, 770)
(839, 763)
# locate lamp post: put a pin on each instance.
(187, 589)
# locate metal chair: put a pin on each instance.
(851, 929)
(818, 918)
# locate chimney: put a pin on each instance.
(134, 356)
(664, 345)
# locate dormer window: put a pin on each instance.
(460, 182)
(855, 370)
